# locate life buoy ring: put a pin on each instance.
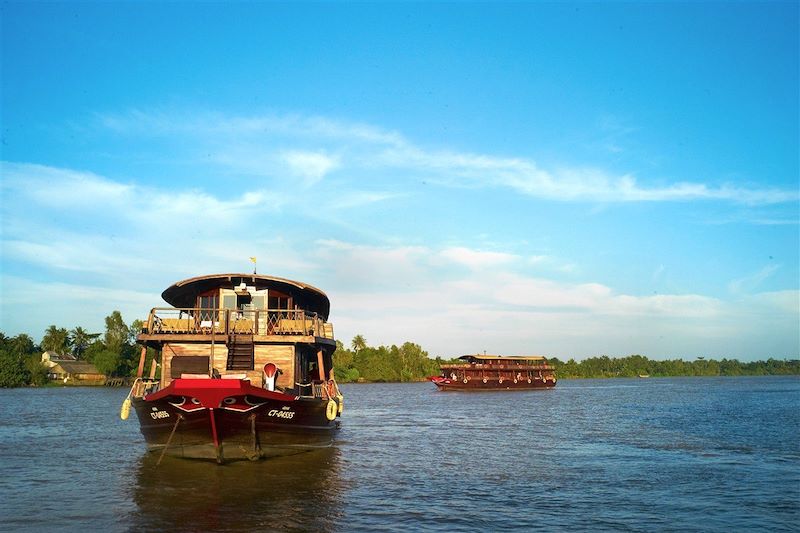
(485, 380)
(330, 410)
(501, 380)
(465, 380)
(529, 380)
(515, 380)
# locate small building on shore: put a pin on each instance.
(69, 369)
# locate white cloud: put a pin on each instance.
(476, 259)
(453, 313)
(391, 294)
(81, 223)
(311, 166)
(367, 147)
(99, 234)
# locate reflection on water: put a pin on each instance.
(297, 492)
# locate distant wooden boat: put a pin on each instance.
(644, 375)
(246, 369)
(496, 372)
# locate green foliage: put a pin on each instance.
(36, 370)
(408, 362)
(80, 340)
(635, 365)
(16, 356)
(13, 372)
(107, 362)
(56, 340)
(358, 343)
(114, 355)
(117, 355)
(118, 334)
(348, 375)
(22, 344)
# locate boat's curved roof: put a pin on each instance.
(503, 357)
(307, 297)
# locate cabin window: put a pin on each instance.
(229, 301)
(207, 305)
(279, 301)
(259, 301)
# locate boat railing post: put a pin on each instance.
(140, 370)
(153, 366)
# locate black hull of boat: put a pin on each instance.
(271, 428)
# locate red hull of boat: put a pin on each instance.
(446, 384)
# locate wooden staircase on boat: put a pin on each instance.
(241, 352)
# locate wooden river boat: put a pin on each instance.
(246, 370)
(496, 372)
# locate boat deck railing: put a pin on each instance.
(495, 368)
(143, 386)
(325, 389)
(204, 321)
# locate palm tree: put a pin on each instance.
(22, 344)
(80, 339)
(56, 340)
(358, 343)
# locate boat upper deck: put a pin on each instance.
(205, 324)
(497, 366)
(212, 308)
(499, 362)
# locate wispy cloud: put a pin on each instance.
(349, 200)
(85, 223)
(361, 147)
(753, 281)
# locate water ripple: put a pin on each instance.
(615, 455)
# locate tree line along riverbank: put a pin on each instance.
(115, 354)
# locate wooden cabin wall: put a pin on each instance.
(171, 350)
(282, 356)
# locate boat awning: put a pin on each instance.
(503, 358)
(307, 297)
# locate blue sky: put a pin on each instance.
(571, 179)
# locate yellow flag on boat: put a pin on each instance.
(253, 260)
